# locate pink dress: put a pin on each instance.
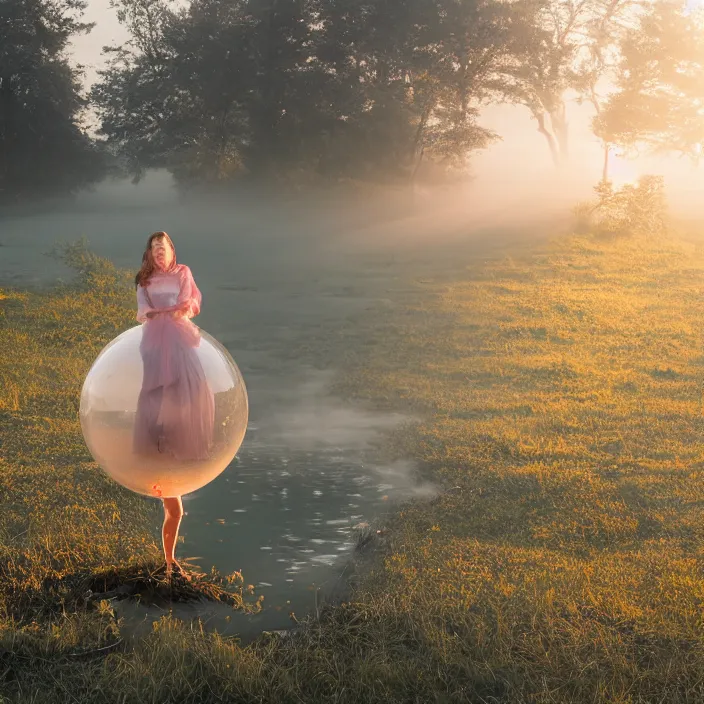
(176, 406)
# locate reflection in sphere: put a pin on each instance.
(167, 440)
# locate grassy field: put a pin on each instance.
(561, 396)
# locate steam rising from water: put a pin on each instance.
(309, 419)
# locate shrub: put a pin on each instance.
(635, 209)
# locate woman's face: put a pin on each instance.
(162, 253)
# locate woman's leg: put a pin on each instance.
(173, 512)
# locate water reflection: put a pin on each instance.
(286, 522)
(289, 524)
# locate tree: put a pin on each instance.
(301, 88)
(168, 97)
(403, 83)
(289, 104)
(600, 56)
(212, 91)
(659, 104)
(469, 44)
(558, 47)
(44, 148)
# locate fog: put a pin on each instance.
(514, 182)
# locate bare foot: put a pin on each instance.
(174, 568)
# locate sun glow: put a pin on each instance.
(622, 170)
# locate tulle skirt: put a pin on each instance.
(176, 406)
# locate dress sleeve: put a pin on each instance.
(143, 306)
(189, 296)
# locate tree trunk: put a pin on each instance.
(7, 134)
(222, 146)
(552, 143)
(414, 174)
(418, 140)
(560, 128)
(605, 169)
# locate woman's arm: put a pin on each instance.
(189, 297)
(144, 310)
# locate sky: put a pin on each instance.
(522, 154)
(87, 48)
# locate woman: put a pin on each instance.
(175, 409)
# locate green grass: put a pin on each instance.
(561, 401)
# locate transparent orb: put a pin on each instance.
(163, 441)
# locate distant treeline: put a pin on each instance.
(304, 91)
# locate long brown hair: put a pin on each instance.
(148, 263)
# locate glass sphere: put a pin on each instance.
(163, 426)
